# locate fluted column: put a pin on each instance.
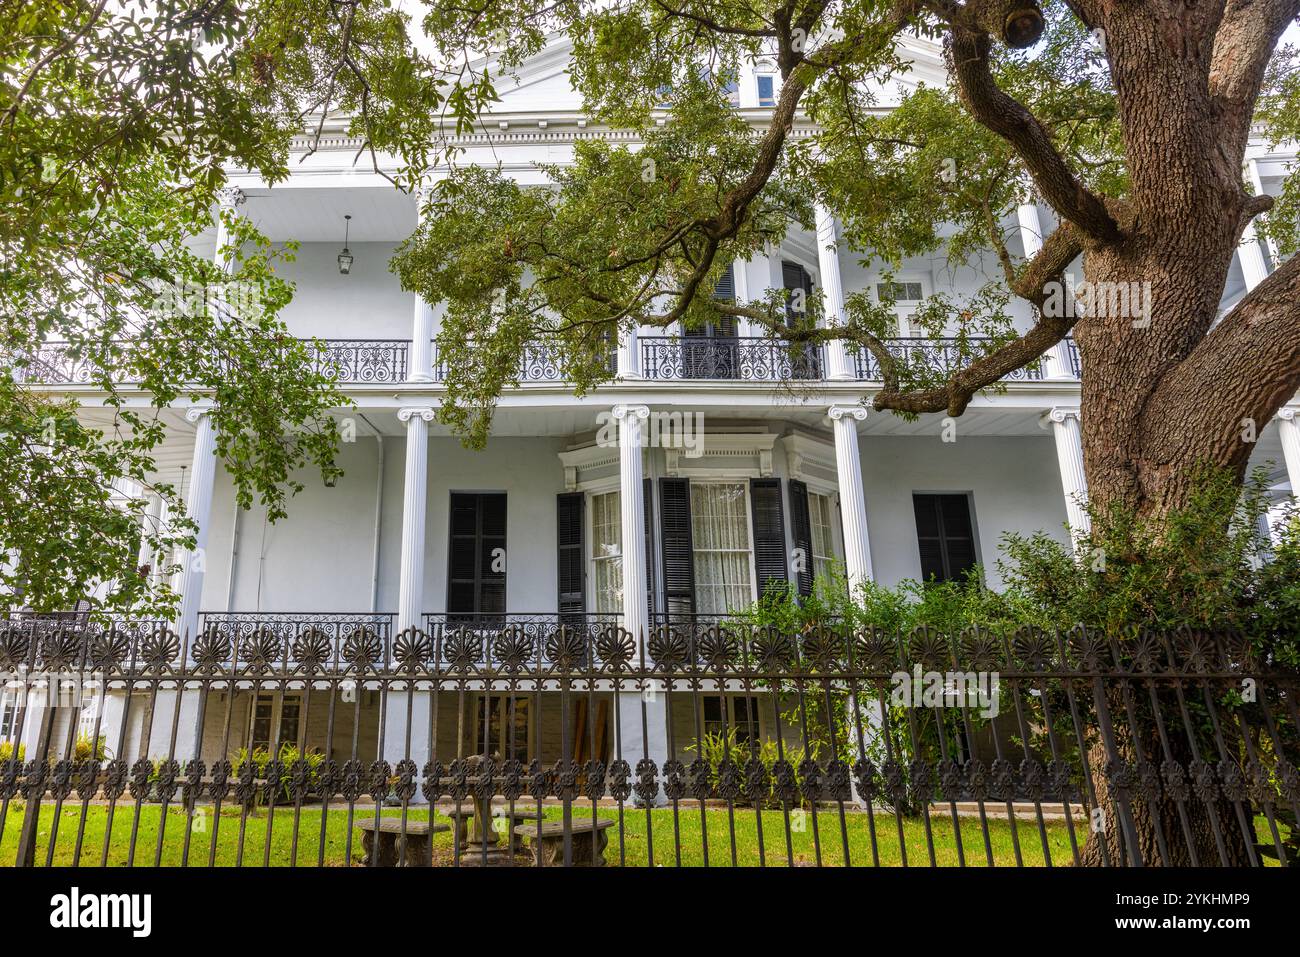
(1254, 267)
(1056, 364)
(629, 355)
(1066, 430)
(1259, 263)
(229, 199)
(853, 501)
(203, 474)
(421, 369)
(415, 493)
(632, 510)
(643, 717)
(1288, 429)
(150, 522)
(838, 364)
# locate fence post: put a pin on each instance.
(26, 856)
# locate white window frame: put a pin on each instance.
(749, 526)
(832, 527)
(729, 702)
(589, 536)
(903, 308)
(8, 715)
(277, 711)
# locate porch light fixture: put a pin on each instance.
(345, 257)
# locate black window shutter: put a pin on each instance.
(944, 536)
(769, 532)
(648, 500)
(476, 582)
(676, 546)
(801, 530)
(568, 535)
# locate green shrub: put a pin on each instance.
(83, 750)
(289, 754)
(716, 746)
(7, 751)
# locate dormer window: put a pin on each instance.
(766, 89)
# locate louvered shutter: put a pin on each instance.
(675, 546)
(769, 532)
(944, 536)
(958, 537)
(648, 500)
(572, 601)
(801, 531)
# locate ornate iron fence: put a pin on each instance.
(750, 359)
(530, 746)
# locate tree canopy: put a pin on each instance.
(117, 124)
(1130, 121)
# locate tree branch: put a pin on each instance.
(1247, 36)
(1010, 119)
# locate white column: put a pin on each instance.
(1056, 363)
(632, 510)
(410, 592)
(853, 501)
(1254, 267)
(838, 364)
(150, 522)
(629, 355)
(652, 740)
(1065, 427)
(421, 369)
(229, 199)
(203, 474)
(1257, 186)
(1288, 430)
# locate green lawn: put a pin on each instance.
(632, 845)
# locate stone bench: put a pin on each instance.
(584, 834)
(419, 852)
(462, 817)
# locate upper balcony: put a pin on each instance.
(357, 362)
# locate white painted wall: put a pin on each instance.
(368, 303)
(320, 557)
(1015, 483)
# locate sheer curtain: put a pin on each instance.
(607, 553)
(820, 511)
(720, 529)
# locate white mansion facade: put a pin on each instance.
(549, 520)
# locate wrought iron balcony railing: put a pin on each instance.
(745, 359)
(350, 361)
(539, 363)
(941, 356)
(663, 358)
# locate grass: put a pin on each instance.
(673, 836)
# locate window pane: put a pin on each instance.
(720, 529)
(289, 712)
(766, 91)
(820, 515)
(607, 552)
(262, 721)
